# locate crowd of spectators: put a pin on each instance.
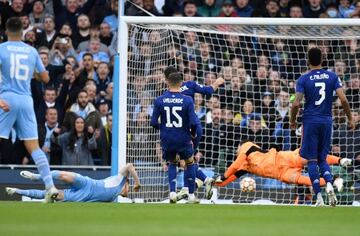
(77, 40)
(246, 8)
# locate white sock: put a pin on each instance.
(191, 196)
(185, 189)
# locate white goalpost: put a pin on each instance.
(260, 59)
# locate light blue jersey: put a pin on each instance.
(85, 189)
(18, 62)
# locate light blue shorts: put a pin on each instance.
(21, 116)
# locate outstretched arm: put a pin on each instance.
(129, 169)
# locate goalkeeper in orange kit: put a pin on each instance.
(285, 166)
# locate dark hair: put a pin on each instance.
(51, 108)
(87, 54)
(81, 91)
(314, 56)
(50, 88)
(169, 70)
(14, 25)
(73, 136)
(174, 78)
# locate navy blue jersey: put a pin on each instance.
(189, 88)
(177, 118)
(318, 86)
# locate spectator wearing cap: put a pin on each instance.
(103, 107)
(313, 9)
(244, 8)
(228, 9)
(190, 9)
(209, 9)
(70, 12)
(272, 9)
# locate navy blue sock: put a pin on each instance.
(199, 174)
(32, 193)
(314, 176)
(190, 176)
(325, 171)
(172, 176)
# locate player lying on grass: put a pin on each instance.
(285, 166)
(83, 188)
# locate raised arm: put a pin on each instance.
(218, 82)
(346, 107)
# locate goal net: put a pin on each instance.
(260, 64)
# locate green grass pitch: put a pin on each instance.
(18, 218)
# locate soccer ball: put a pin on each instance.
(247, 185)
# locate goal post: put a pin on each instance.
(148, 44)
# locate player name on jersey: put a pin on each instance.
(173, 100)
(18, 48)
(320, 76)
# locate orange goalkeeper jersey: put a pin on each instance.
(270, 164)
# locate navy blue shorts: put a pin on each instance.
(316, 141)
(184, 153)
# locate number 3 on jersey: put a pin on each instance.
(321, 92)
(17, 70)
(175, 123)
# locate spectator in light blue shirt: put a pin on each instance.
(345, 8)
(94, 49)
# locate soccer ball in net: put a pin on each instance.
(247, 185)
